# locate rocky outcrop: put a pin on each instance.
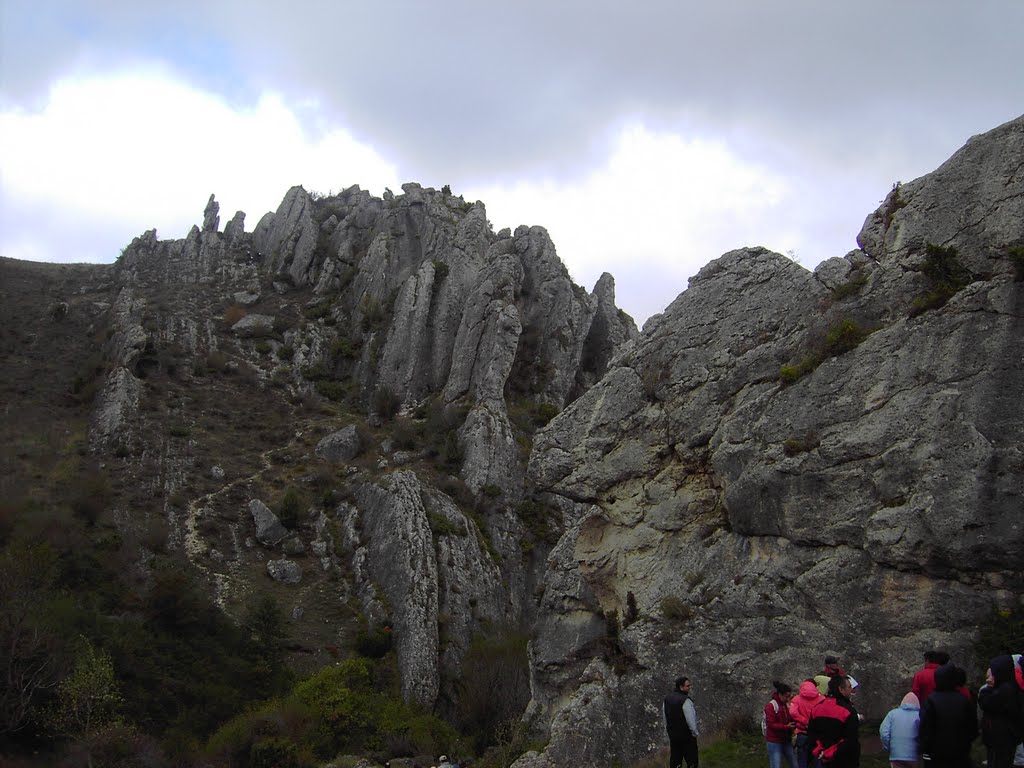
(269, 530)
(343, 445)
(421, 570)
(789, 464)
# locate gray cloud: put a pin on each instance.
(465, 90)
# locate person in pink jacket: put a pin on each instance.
(800, 711)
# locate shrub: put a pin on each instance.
(319, 310)
(234, 313)
(893, 203)
(844, 336)
(496, 661)
(1016, 255)
(332, 390)
(263, 347)
(946, 275)
(285, 352)
(386, 403)
(796, 445)
(292, 505)
(343, 347)
(674, 609)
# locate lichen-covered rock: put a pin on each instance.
(790, 464)
(269, 530)
(253, 325)
(284, 571)
(343, 445)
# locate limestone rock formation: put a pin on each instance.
(343, 445)
(790, 464)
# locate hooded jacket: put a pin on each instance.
(899, 730)
(802, 704)
(1001, 707)
(835, 721)
(948, 722)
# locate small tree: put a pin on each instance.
(88, 699)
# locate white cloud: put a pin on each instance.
(659, 209)
(138, 150)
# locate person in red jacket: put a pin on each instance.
(833, 731)
(800, 710)
(924, 678)
(778, 732)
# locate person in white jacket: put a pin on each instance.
(899, 732)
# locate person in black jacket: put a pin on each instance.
(681, 724)
(948, 723)
(833, 730)
(1000, 703)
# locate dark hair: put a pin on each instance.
(941, 657)
(681, 681)
(782, 688)
(835, 683)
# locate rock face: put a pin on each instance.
(445, 343)
(791, 464)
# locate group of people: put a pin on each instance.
(933, 727)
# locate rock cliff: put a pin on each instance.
(788, 464)
(366, 375)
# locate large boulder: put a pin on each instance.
(789, 464)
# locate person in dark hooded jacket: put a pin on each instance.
(1000, 703)
(948, 723)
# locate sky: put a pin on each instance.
(647, 137)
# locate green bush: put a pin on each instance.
(291, 508)
(1016, 255)
(335, 391)
(946, 275)
(843, 337)
(674, 609)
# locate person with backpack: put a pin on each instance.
(899, 733)
(681, 724)
(800, 710)
(1000, 704)
(833, 730)
(948, 723)
(777, 726)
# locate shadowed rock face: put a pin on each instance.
(866, 505)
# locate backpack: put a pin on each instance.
(764, 720)
(826, 755)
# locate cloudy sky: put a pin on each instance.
(648, 137)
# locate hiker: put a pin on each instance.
(1000, 701)
(899, 732)
(681, 724)
(832, 669)
(779, 726)
(948, 723)
(833, 730)
(800, 710)
(924, 678)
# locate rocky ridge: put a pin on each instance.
(347, 316)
